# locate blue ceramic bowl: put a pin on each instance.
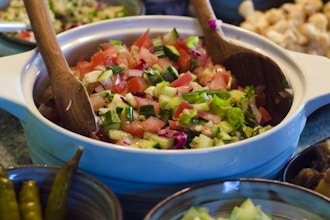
(279, 199)
(228, 10)
(89, 199)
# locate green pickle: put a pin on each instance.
(58, 197)
(8, 203)
(29, 202)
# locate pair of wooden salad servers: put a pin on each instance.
(249, 67)
(72, 100)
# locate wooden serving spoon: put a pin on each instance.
(70, 95)
(248, 66)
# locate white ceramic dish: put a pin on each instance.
(137, 175)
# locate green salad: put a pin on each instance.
(164, 92)
(246, 211)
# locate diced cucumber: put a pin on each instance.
(201, 141)
(158, 88)
(224, 136)
(107, 74)
(115, 42)
(158, 47)
(127, 113)
(170, 74)
(163, 101)
(162, 141)
(145, 144)
(225, 126)
(248, 131)
(116, 69)
(119, 134)
(92, 76)
(192, 42)
(248, 211)
(169, 91)
(171, 52)
(110, 119)
(171, 37)
(147, 110)
(150, 90)
(130, 100)
(201, 106)
(174, 102)
(153, 76)
(118, 101)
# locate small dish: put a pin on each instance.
(88, 197)
(308, 167)
(279, 199)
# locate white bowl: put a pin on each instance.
(144, 177)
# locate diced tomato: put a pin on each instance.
(124, 58)
(145, 101)
(144, 40)
(148, 57)
(83, 67)
(184, 60)
(181, 42)
(265, 116)
(104, 57)
(152, 124)
(217, 82)
(208, 116)
(97, 102)
(137, 84)
(134, 72)
(174, 125)
(164, 62)
(24, 35)
(119, 85)
(226, 76)
(183, 105)
(184, 79)
(105, 45)
(133, 127)
(184, 89)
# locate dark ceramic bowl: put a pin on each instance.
(279, 199)
(89, 199)
(310, 157)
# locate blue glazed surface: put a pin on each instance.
(280, 200)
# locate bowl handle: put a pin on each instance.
(316, 71)
(11, 94)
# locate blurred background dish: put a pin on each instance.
(166, 7)
(310, 168)
(227, 10)
(88, 198)
(65, 15)
(280, 200)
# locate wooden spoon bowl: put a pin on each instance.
(70, 95)
(248, 66)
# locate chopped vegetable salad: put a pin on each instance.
(164, 92)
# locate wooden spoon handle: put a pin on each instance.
(70, 95)
(205, 14)
(46, 40)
